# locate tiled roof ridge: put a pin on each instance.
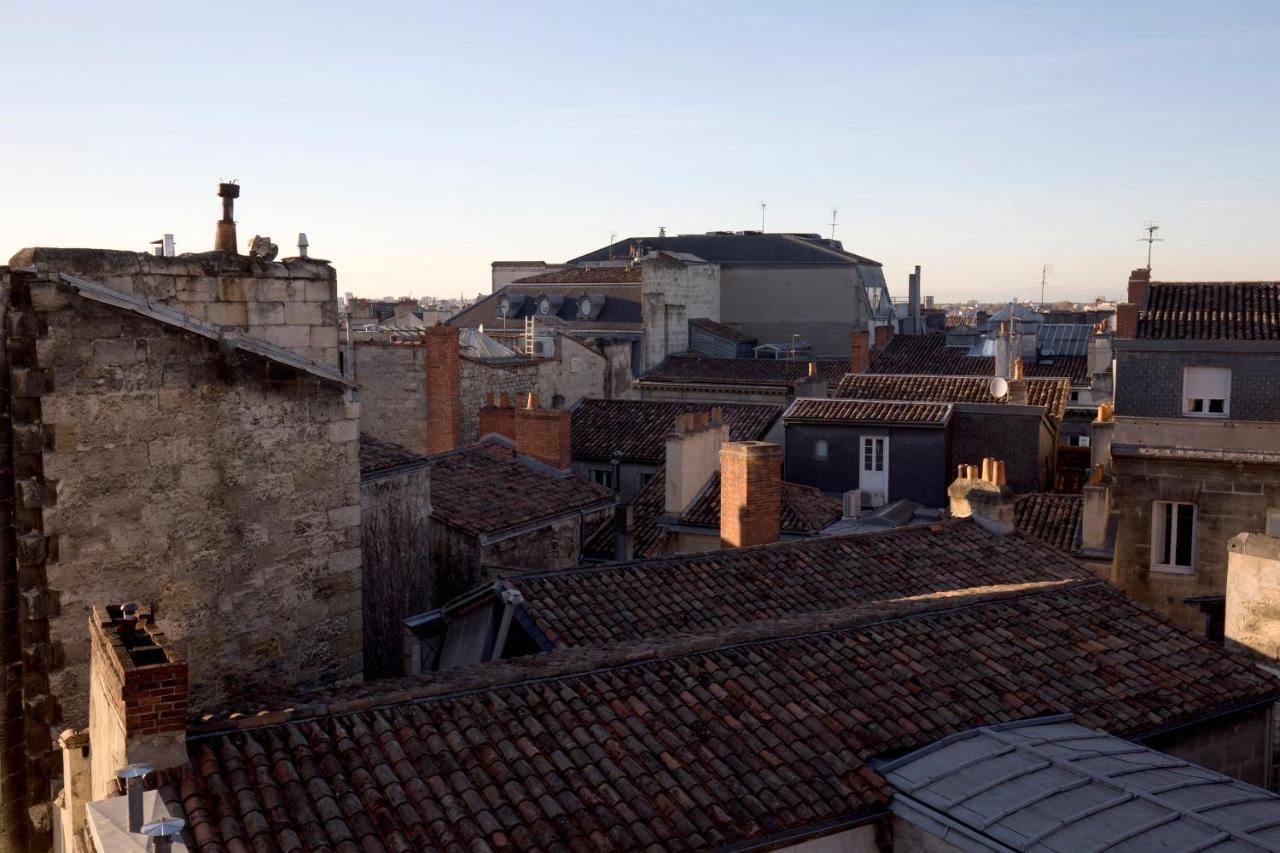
(582, 661)
(1272, 282)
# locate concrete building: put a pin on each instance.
(1194, 444)
(774, 286)
(694, 378)
(181, 436)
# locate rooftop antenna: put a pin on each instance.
(1151, 228)
(834, 214)
(1045, 269)
(613, 235)
(762, 207)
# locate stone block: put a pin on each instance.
(26, 382)
(302, 313)
(228, 314)
(196, 289)
(281, 290)
(266, 313)
(344, 561)
(345, 516)
(324, 337)
(119, 351)
(237, 290)
(48, 296)
(340, 431)
(291, 337)
(321, 291)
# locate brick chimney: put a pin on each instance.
(1126, 320)
(983, 495)
(137, 696)
(883, 334)
(444, 403)
(750, 493)
(498, 416)
(545, 434)
(859, 352)
(693, 455)
(1139, 283)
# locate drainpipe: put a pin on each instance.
(511, 598)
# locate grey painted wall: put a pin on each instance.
(821, 304)
(1028, 449)
(918, 459)
(1149, 384)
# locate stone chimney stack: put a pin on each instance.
(498, 416)
(859, 352)
(693, 455)
(224, 239)
(984, 495)
(137, 696)
(1253, 594)
(811, 386)
(1095, 516)
(545, 434)
(750, 493)
(444, 401)
(1139, 283)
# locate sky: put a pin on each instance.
(415, 143)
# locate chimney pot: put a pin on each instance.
(544, 434)
(224, 239)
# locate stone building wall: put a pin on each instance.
(555, 546)
(1230, 498)
(291, 303)
(393, 392)
(1237, 745)
(220, 487)
(672, 293)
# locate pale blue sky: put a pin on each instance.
(417, 142)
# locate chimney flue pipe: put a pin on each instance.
(225, 237)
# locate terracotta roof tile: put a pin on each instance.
(720, 745)
(868, 411)
(380, 457)
(488, 487)
(1240, 311)
(929, 354)
(1051, 518)
(638, 429)
(1050, 393)
(694, 370)
(586, 275)
(721, 330)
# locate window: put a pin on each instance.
(603, 477)
(873, 454)
(1206, 392)
(645, 477)
(1075, 397)
(1173, 533)
(1078, 441)
(820, 449)
(1273, 522)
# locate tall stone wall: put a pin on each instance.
(393, 392)
(291, 303)
(220, 487)
(673, 293)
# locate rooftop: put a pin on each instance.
(637, 429)
(1052, 394)
(868, 411)
(694, 744)
(929, 354)
(721, 330)
(379, 458)
(614, 307)
(586, 275)
(1237, 311)
(1054, 784)
(488, 488)
(1051, 518)
(746, 247)
(748, 372)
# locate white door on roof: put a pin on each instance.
(873, 479)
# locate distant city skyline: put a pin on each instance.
(417, 143)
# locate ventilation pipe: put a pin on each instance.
(225, 237)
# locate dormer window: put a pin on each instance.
(1206, 392)
(584, 306)
(544, 305)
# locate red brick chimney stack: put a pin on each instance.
(498, 417)
(883, 334)
(859, 352)
(137, 696)
(1139, 283)
(444, 403)
(1126, 320)
(544, 434)
(750, 493)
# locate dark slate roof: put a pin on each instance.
(1051, 518)
(804, 511)
(929, 354)
(721, 330)
(704, 592)
(379, 457)
(750, 372)
(1237, 311)
(728, 249)
(1050, 393)
(638, 429)
(695, 744)
(620, 311)
(488, 488)
(868, 411)
(586, 275)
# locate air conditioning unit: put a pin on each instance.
(852, 503)
(873, 498)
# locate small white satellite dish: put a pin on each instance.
(999, 387)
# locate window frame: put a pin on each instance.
(1160, 538)
(1188, 401)
(602, 477)
(821, 450)
(1272, 522)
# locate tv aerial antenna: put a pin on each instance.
(1151, 228)
(762, 208)
(834, 214)
(1045, 269)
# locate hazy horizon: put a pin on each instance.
(415, 144)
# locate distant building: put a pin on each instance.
(692, 378)
(1194, 446)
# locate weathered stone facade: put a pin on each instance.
(393, 392)
(672, 293)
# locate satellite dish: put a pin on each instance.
(999, 387)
